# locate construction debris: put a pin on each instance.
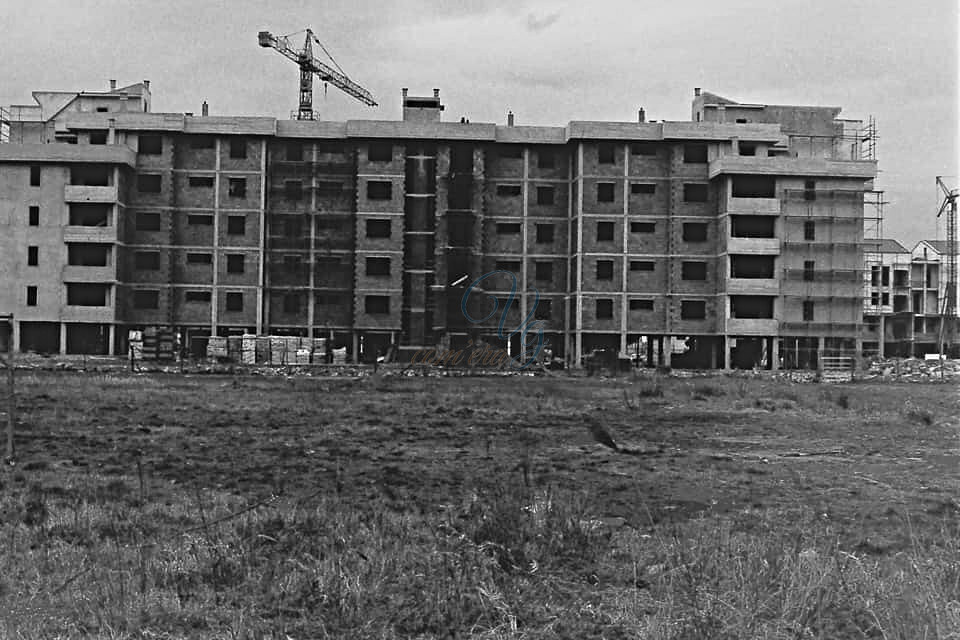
(912, 369)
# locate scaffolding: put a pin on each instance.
(4, 125)
(825, 241)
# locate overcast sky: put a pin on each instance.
(548, 61)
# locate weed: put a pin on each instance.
(706, 390)
(651, 388)
(918, 415)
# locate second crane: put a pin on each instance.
(309, 66)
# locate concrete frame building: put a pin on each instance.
(732, 239)
(904, 299)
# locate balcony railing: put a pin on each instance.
(753, 246)
(752, 326)
(820, 327)
(85, 193)
(848, 276)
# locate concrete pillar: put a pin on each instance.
(714, 344)
(15, 337)
(63, 338)
(774, 353)
(356, 346)
(262, 320)
(883, 333)
(725, 352)
(667, 350)
(214, 290)
(649, 351)
(112, 344)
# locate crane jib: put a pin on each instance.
(309, 64)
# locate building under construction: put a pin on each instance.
(733, 239)
(906, 310)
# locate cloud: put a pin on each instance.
(537, 25)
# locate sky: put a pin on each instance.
(548, 61)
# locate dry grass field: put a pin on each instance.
(168, 506)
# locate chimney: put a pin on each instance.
(696, 92)
(204, 109)
(404, 92)
(146, 85)
(436, 93)
(642, 116)
(510, 118)
(113, 85)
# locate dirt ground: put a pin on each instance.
(881, 461)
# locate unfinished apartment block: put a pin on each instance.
(904, 298)
(734, 239)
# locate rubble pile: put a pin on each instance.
(912, 369)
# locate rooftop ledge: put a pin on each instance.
(785, 166)
(478, 131)
(66, 153)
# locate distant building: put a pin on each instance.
(733, 239)
(904, 298)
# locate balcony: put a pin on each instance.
(835, 329)
(76, 273)
(754, 246)
(77, 233)
(787, 166)
(84, 193)
(746, 206)
(68, 153)
(840, 276)
(77, 313)
(752, 326)
(753, 286)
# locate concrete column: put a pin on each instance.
(625, 267)
(649, 351)
(112, 346)
(667, 350)
(214, 295)
(525, 234)
(63, 338)
(578, 355)
(261, 254)
(883, 333)
(15, 337)
(356, 346)
(311, 298)
(659, 351)
(774, 353)
(715, 345)
(725, 352)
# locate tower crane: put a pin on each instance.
(309, 65)
(949, 314)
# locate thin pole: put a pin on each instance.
(11, 405)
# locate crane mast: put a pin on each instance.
(948, 318)
(309, 65)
